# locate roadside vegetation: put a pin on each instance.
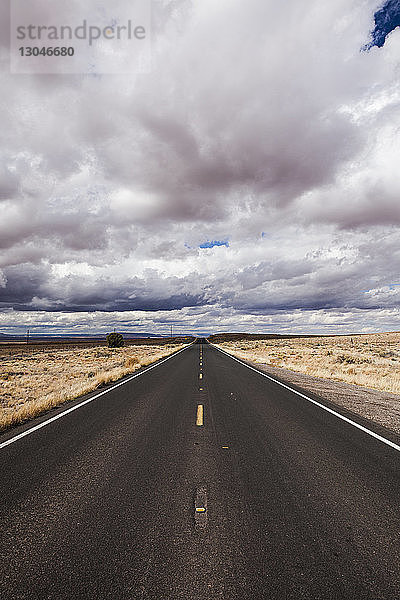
(31, 384)
(367, 360)
(115, 340)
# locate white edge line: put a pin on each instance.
(329, 410)
(69, 410)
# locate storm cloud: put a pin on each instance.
(248, 181)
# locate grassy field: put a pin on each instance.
(368, 360)
(33, 383)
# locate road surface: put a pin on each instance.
(200, 479)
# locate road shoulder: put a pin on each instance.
(382, 408)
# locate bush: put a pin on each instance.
(115, 340)
(131, 361)
(347, 359)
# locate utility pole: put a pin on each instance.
(171, 330)
(27, 336)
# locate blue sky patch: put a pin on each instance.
(387, 18)
(215, 243)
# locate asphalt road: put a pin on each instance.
(128, 498)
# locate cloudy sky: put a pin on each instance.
(248, 182)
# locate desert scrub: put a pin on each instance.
(34, 383)
(131, 361)
(367, 360)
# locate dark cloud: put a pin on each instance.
(253, 172)
(22, 283)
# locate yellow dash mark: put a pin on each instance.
(200, 415)
(200, 509)
(201, 376)
(225, 447)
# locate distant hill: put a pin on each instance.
(234, 337)
(5, 337)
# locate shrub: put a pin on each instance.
(346, 358)
(115, 340)
(131, 361)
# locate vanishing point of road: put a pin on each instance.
(199, 479)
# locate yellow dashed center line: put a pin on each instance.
(200, 415)
(201, 376)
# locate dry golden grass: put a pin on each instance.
(368, 360)
(31, 384)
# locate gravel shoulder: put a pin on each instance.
(380, 407)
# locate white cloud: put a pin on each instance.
(257, 118)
